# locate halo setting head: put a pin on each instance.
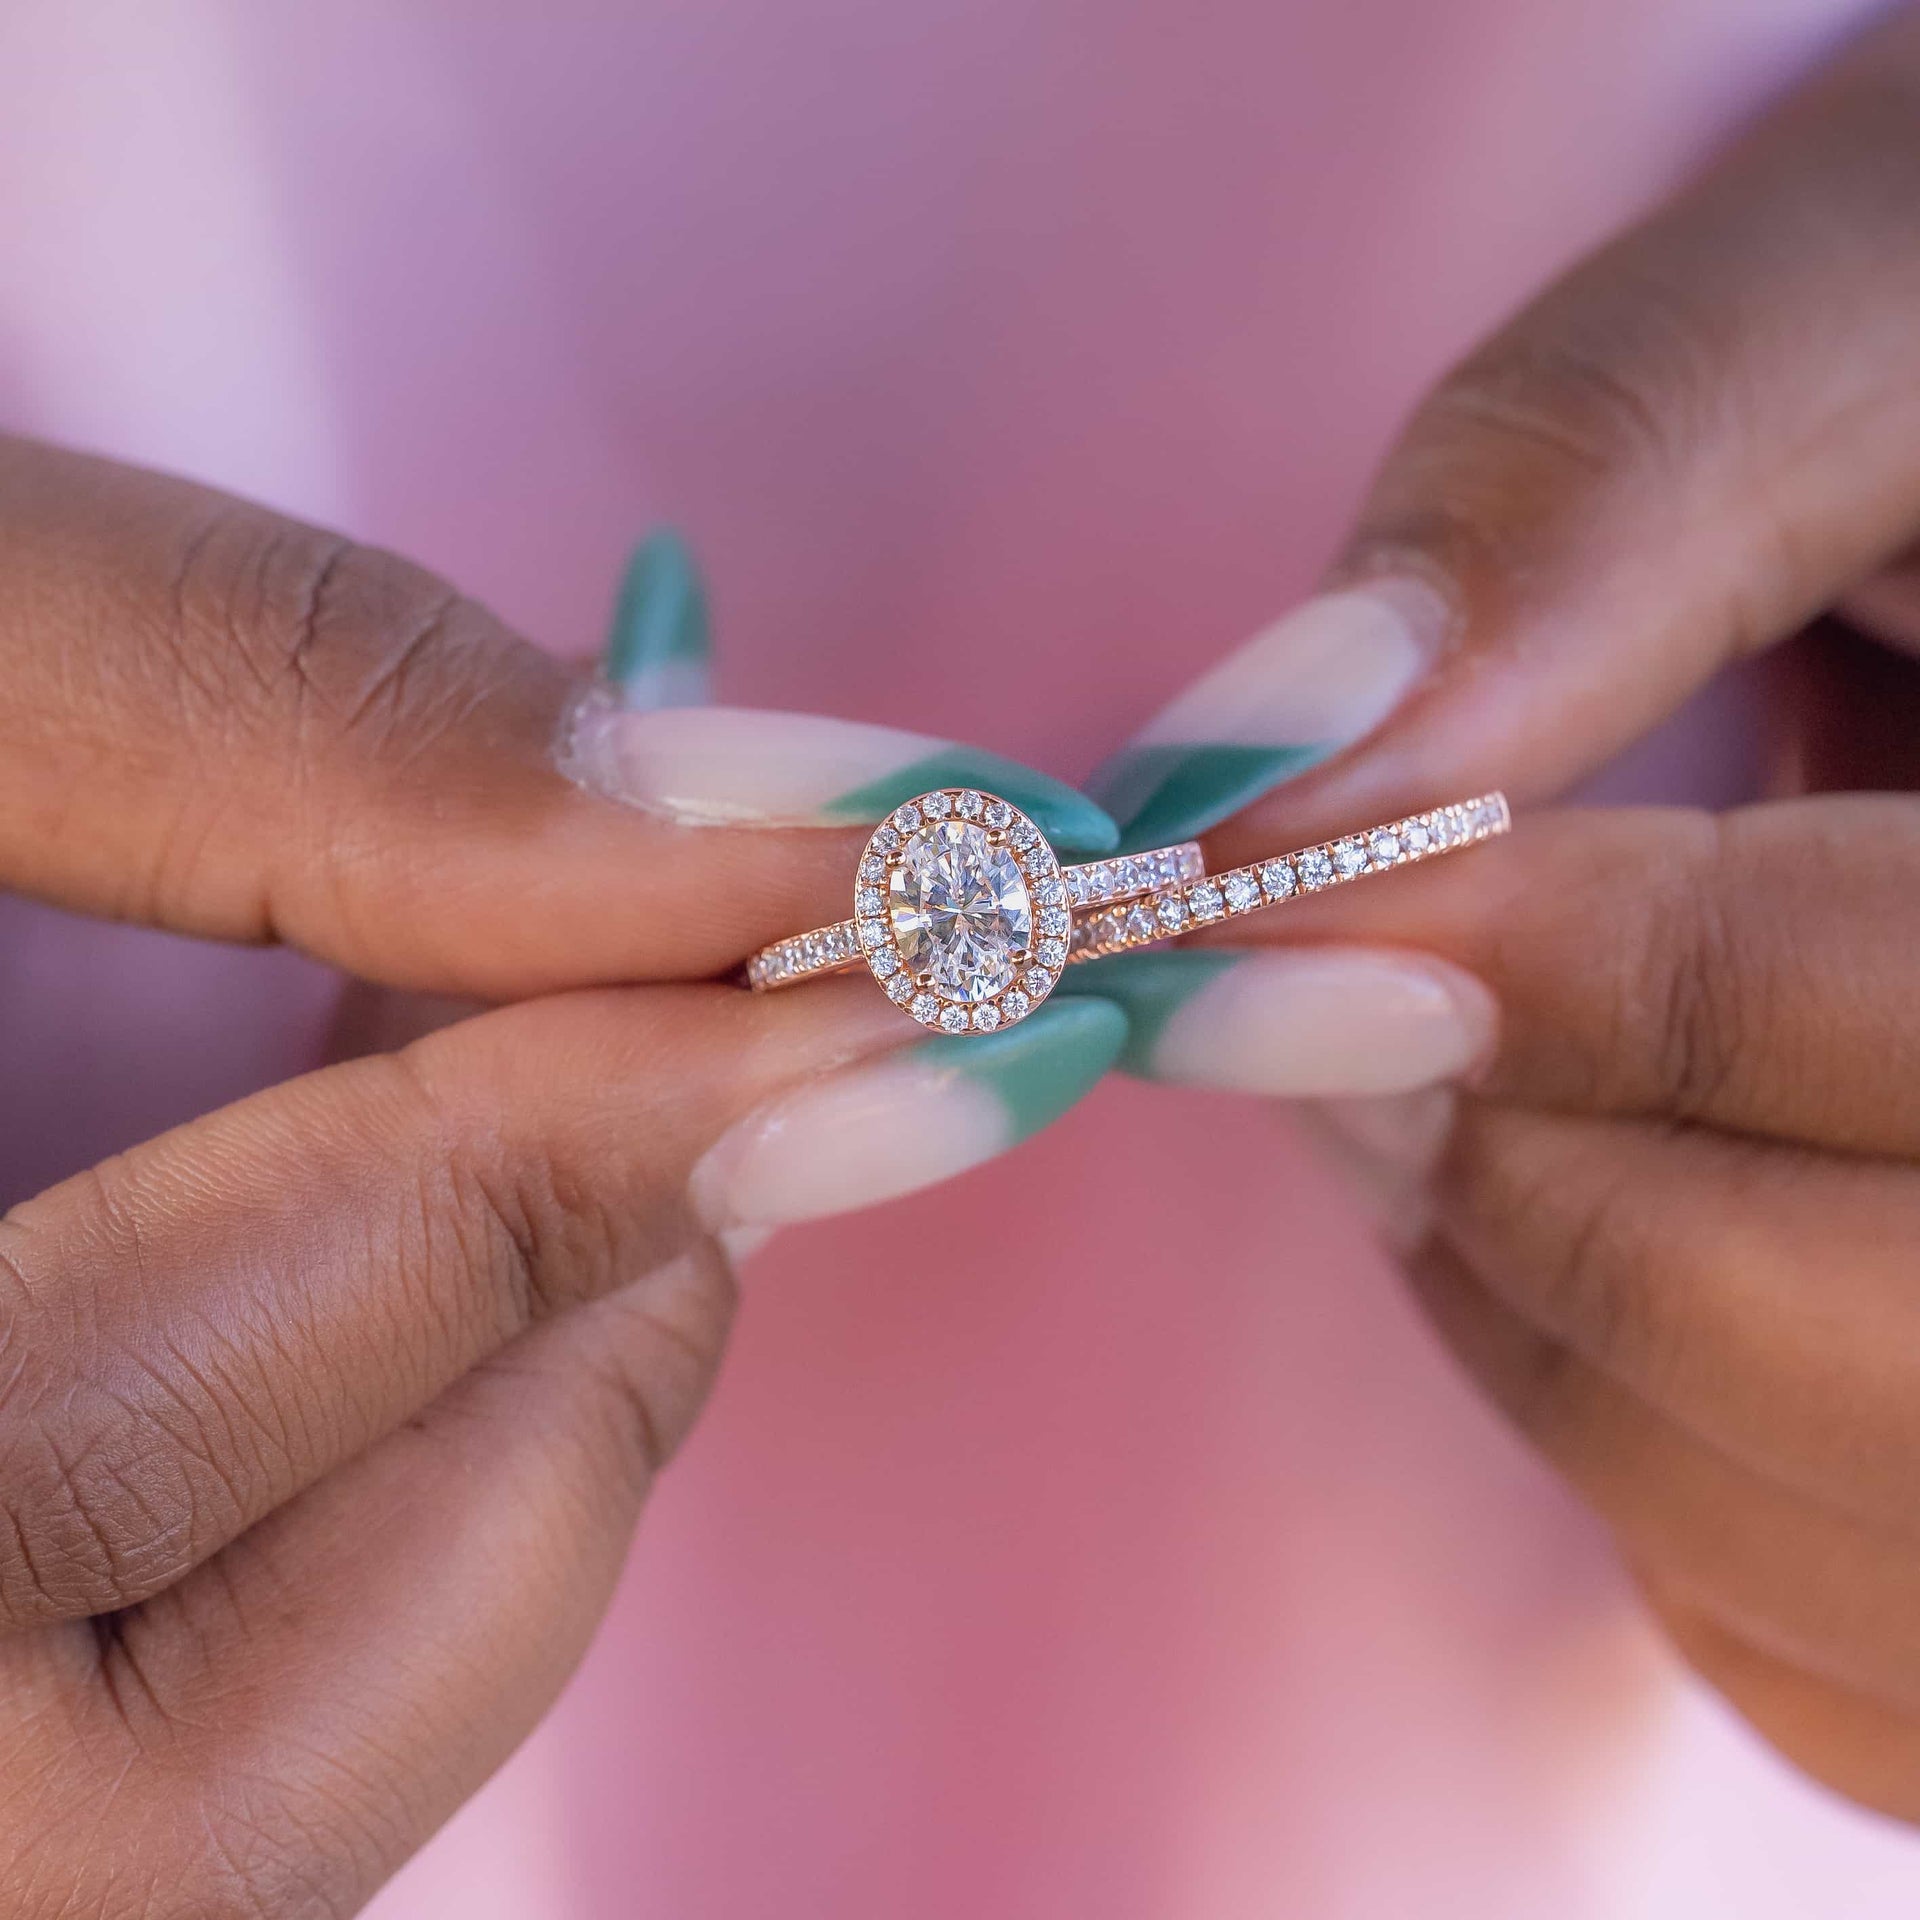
(960, 911)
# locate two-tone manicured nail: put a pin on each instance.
(1296, 1022)
(740, 767)
(1307, 688)
(876, 1130)
(661, 641)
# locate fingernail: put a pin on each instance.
(883, 1128)
(661, 641)
(1309, 686)
(1297, 1022)
(740, 1244)
(736, 767)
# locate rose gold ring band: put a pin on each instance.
(809, 956)
(1267, 883)
(965, 917)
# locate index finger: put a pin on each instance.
(226, 723)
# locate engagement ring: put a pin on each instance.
(965, 916)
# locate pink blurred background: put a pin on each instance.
(1177, 1576)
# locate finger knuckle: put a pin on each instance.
(1692, 995)
(344, 649)
(113, 1469)
(1616, 376)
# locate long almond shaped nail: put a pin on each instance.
(661, 642)
(1308, 687)
(739, 767)
(874, 1131)
(1297, 1022)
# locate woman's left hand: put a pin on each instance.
(1662, 1190)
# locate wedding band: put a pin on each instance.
(964, 915)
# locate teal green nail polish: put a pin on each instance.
(1043, 1066)
(1149, 988)
(1165, 793)
(661, 641)
(1069, 819)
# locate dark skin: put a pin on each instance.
(1671, 1224)
(447, 1299)
(450, 1298)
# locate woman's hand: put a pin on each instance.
(323, 1420)
(1672, 1221)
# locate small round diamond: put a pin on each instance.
(1416, 839)
(1384, 847)
(1039, 860)
(869, 900)
(900, 989)
(1203, 901)
(936, 806)
(907, 817)
(1172, 911)
(925, 1008)
(884, 961)
(953, 1019)
(1100, 880)
(1140, 923)
(1315, 869)
(1037, 981)
(1026, 834)
(1277, 877)
(1242, 891)
(1014, 1003)
(1055, 920)
(1050, 893)
(969, 805)
(873, 933)
(986, 1018)
(1051, 953)
(873, 868)
(998, 814)
(1349, 858)
(886, 839)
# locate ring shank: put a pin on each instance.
(1100, 883)
(1137, 900)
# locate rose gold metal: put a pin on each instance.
(836, 949)
(1128, 902)
(1289, 876)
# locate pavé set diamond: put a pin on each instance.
(964, 915)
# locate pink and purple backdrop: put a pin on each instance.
(1179, 1576)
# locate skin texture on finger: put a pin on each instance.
(1697, 439)
(1759, 1295)
(280, 1731)
(218, 1317)
(231, 725)
(1751, 970)
(209, 1323)
(1790, 1574)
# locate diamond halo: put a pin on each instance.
(959, 898)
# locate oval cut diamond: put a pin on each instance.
(960, 910)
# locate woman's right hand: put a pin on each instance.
(323, 1420)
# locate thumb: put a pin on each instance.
(1682, 451)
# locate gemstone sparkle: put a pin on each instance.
(960, 910)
